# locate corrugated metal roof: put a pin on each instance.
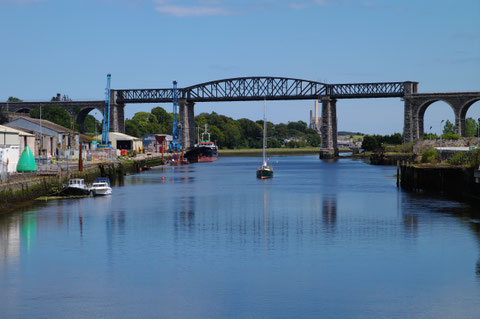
(4, 128)
(45, 123)
(119, 136)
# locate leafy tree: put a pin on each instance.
(52, 113)
(164, 118)
(145, 117)
(273, 143)
(92, 125)
(217, 136)
(281, 131)
(449, 128)
(471, 127)
(131, 128)
(394, 139)
(300, 126)
(370, 143)
(13, 99)
(232, 135)
(144, 123)
(314, 139)
(251, 133)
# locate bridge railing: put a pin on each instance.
(366, 90)
(258, 88)
(254, 89)
(145, 95)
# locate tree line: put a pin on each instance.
(227, 132)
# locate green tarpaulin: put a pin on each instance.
(26, 163)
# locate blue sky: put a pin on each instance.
(68, 46)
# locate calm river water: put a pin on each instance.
(319, 240)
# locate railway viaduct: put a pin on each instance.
(272, 88)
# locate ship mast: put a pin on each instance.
(264, 129)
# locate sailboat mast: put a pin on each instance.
(264, 127)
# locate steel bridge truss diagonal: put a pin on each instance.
(259, 88)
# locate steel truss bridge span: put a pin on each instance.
(259, 88)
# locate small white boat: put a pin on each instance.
(101, 187)
(75, 187)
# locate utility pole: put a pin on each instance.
(441, 132)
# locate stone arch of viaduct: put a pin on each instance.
(417, 104)
(78, 110)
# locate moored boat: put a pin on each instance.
(75, 187)
(264, 171)
(101, 187)
(204, 151)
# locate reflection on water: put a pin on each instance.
(212, 241)
(329, 212)
(9, 239)
(185, 218)
(28, 229)
(16, 233)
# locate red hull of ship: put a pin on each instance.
(202, 159)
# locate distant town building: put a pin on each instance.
(315, 121)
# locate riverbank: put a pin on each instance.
(457, 182)
(22, 190)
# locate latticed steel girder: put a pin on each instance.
(366, 90)
(259, 88)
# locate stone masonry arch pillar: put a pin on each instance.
(187, 120)
(328, 129)
(117, 114)
(415, 103)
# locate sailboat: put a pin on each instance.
(265, 171)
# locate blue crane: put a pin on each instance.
(106, 115)
(175, 145)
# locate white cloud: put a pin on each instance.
(325, 2)
(191, 11)
(204, 8)
(298, 5)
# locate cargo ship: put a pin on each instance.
(204, 151)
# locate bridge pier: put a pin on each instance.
(117, 118)
(187, 121)
(328, 130)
